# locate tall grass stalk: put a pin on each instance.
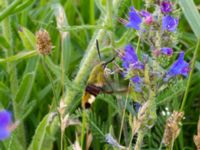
(123, 114)
(197, 50)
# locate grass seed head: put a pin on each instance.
(197, 137)
(43, 42)
(172, 128)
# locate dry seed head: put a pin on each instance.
(147, 115)
(43, 42)
(51, 117)
(197, 137)
(61, 108)
(136, 125)
(172, 128)
(67, 121)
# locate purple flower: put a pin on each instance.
(167, 51)
(179, 67)
(134, 19)
(137, 106)
(130, 59)
(148, 18)
(166, 7)
(136, 79)
(5, 123)
(130, 62)
(137, 83)
(169, 23)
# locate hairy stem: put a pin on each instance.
(139, 140)
(83, 132)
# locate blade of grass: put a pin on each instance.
(190, 75)
(8, 10)
(19, 56)
(192, 15)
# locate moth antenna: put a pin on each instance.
(97, 45)
(109, 61)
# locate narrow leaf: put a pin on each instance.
(28, 38)
(43, 138)
(192, 15)
(25, 88)
(19, 56)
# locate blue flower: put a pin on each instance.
(110, 140)
(137, 106)
(137, 83)
(167, 51)
(134, 19)
(169, 23)
(179, 67)
(5, 122)
(136, 79)
(130, 59)
(166, 7)
(130, 62)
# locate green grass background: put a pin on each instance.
(26, 83)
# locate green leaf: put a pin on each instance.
(19, 56)
(4, 42)
(25, 88)
(43, 138)
(23, 6)
(65, 37)
(4, 94)
(8, 10)
(192, 15)
(28, 38)
(28, 108)
(12, 143)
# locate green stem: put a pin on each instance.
(55, 102)
(137, 48)
(92, 12)
(61, 141)
(171, 145)
(130, 143)
(190, 75)
(139, 140)
(83, 130)
(123, 115)
(9, 9)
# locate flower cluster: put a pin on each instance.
(150, 75)
(157, 27)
